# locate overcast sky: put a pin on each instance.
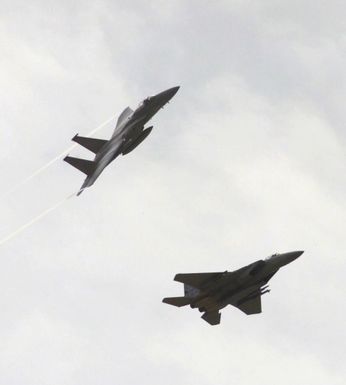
(247, 160)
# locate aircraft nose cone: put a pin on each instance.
(291, 256)
(172, 91)
(165, 96)
(295, 254)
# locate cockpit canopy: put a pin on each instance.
(144, 102)
(271, 256)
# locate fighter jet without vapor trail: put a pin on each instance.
(128, 134)
(243, 288)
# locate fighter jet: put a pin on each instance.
(128, 134)
(243, 288)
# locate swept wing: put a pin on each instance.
(197, 280)
(213, 317)
(251, 306)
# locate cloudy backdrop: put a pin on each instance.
(247, 160)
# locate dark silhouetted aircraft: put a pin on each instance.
(128, 134)
(243, 288)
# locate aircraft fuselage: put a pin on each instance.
(242, 288)
(128, 134)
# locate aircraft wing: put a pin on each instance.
(249, 301)
(124, 115)
(197, 280)
(251, 306)
(213, 317)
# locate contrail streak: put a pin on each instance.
(34, 220)
(37, 172)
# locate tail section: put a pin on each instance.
(92, 144)
(83, 165)
(177, 301)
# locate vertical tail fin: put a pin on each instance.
(92, 144)
(86, 166)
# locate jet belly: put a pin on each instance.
(254, 273)
(133, 130)
(212, 298)
(205, 303)
(234, 286)
(110, 152)
(243, 293)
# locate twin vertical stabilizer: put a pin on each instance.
(86, 166)
(92, 144)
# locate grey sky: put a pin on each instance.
(248, 159)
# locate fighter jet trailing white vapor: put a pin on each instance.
(128, 134)
(243, 288)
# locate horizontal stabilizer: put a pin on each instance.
(213, 317)
(177, 301)
(92, 144)
(86, 166)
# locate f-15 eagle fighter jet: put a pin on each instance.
(243, 288)
(128, 134)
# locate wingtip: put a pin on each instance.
(176, 277)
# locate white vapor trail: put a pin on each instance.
(37, 172)
(34, 220)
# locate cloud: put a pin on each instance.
(245, 161)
